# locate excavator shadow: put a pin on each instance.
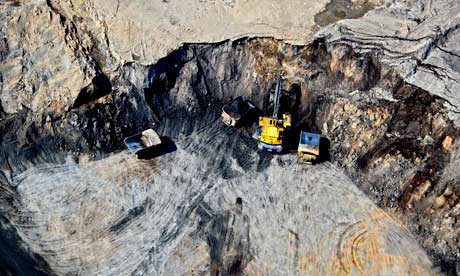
(167, 146)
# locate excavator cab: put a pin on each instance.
(287, 120)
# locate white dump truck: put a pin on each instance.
(143, 142)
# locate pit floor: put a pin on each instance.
(176, 214)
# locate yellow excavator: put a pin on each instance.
(273, 129)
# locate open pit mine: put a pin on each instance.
(230, 137)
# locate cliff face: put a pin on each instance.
(420, 40)
(78, 77)
(48, 56)
(51, 49)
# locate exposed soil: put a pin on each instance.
(337, 10)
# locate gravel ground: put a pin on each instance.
(176, 214)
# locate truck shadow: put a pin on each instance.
(167, 146)
(324, 150)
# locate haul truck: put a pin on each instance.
(143, 142)
(308, 149)
(237, 112)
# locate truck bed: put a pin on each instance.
(309, 142)
(238, 108)
(144, 140)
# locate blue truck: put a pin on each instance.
(308, 150)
